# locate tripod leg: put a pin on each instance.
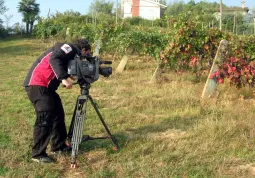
(70, 132)
(114, 140)
(78, 123)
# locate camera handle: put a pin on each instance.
(75, 134)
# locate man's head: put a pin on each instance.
(83, 45)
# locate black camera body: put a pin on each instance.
(87, 68)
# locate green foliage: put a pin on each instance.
(89, 31)
(101, 6)
(161, 22)
(18, 29)
(3, 32)
(116, 39)
(180, 42)
(3, 9)
(194, 48)
(176, 8)
(137, 21)
(148, 42)
(104, 20)
(47, 29)
(191, 42)
(244, 47)
(206, 14)
(67, 18)
(3, 171)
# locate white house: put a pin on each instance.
(147, 9)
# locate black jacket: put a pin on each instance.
(51, 67)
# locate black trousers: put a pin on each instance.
(50, 120)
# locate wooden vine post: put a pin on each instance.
(156, 75)
(211, 83)
(122, 64)
(68, 34)
(97, 48)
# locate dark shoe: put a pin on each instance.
(66, 149)
(45, 159)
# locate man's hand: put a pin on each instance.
(67, 83)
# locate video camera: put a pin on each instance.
(87, 68)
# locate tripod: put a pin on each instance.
(75, 134)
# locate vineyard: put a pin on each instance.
(163, 128)
(180, 44)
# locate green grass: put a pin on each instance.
(163, 129)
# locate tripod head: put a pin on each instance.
(85, 88)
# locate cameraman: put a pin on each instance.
(41, 83)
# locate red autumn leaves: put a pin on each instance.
(193, 61)
(239, 72)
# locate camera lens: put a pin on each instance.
(105, 71)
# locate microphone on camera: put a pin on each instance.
(105, 62)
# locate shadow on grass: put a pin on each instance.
(105, 143)
(177, 122)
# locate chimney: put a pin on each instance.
(243, 4)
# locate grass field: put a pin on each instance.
(163, 129)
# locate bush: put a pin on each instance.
(3, 32)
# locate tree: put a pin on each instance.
(30, 12)
(7, 20)
(101, 6)
(162, 10)
(178, 7)
(202, 12)
(3, 9)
